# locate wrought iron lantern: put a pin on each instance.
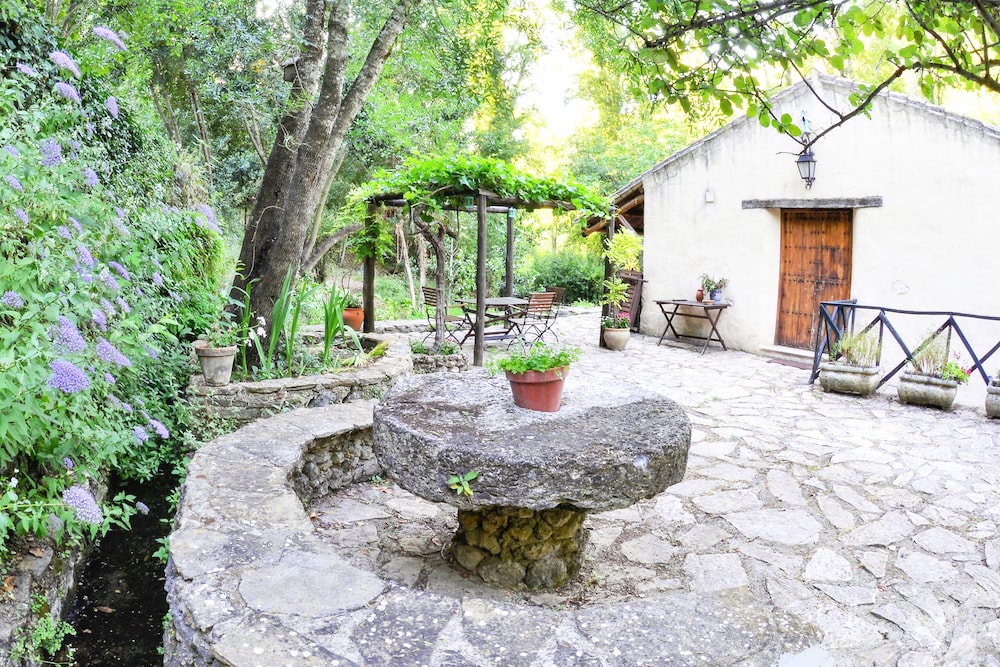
(806, 162)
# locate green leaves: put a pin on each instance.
(460, 483)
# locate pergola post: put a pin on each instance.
(368, 285)
(481, 248)
(508, 289)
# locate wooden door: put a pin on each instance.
(816, 251)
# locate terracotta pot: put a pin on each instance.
(926, 390)
(354, 318)
(699, 295)
(538, 390)
(216, 363)
(616, 339)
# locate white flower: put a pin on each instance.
(260, 332)
(261, 321)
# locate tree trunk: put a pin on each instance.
(309, 139)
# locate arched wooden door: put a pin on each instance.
(816, 252)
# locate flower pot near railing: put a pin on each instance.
(617, 339)
(848, 379)
(993, 400)
(354, 318)
(926, 390)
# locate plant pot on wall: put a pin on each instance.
(847, 379)
(926, 390)
(993, 401)
(616, 339)
(216, 363)
(538, 390)
(354, 318)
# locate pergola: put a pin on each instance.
(457, 198)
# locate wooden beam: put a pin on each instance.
(632, 203)
(846, 202)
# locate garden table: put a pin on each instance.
(710, 310)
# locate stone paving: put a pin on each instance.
(871, 523)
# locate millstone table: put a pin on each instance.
(539, 474)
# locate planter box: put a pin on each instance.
(926, 390)
(993, 401)
(845, 379)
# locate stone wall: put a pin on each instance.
(242, 402)
(242, 539)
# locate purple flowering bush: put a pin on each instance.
(100, 282)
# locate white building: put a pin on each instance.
(902, 214)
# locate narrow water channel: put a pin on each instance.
(120, 602)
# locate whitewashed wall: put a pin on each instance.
(933, 245)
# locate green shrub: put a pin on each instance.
(578, 272)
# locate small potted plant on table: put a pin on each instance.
(713, 287)
(536, 374)
(622, 252)
(854, 365)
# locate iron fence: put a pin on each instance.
(837, 318)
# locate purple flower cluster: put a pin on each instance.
(120, 269)
(111, 36)
(112, 104)
(14, 183)
(64, 61)
(123, 304)
(26, 69)
(110, 379)
(108, 307)
(66, 377)
(109, 281)
(151, 351)
(109, 353)
(140, 434)
(100, 319)
(157, 278)
(142, 508)
(12, 150)
(83, 503)
(51, 153)
(85, 258)
(68, 338)
(160, 429)
(12, 299)
(69, 92)
(90, 178)
(22, 216)
(68, 463)
(76, 225)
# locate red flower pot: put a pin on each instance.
(538, 390)
(354, 318)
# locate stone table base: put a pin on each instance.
(508, 546)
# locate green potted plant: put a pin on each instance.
(713, 287)
(993, 397)
(622, 251)
(933, 379)
(216, 350)
(853, 367)
(536, 373)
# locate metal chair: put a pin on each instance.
(453, 324)
(538, 317)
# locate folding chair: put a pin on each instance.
(538, 317)
(453, 324)
(560, 293)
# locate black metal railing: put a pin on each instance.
(837, 318)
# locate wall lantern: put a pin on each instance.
(511, 212)
(806, 162)
(470, 202)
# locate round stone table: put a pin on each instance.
(539, 473)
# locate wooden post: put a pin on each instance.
(477, 354)
(608, 273)
(508, 289)
(368, 285)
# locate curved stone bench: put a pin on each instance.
(250, 583)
